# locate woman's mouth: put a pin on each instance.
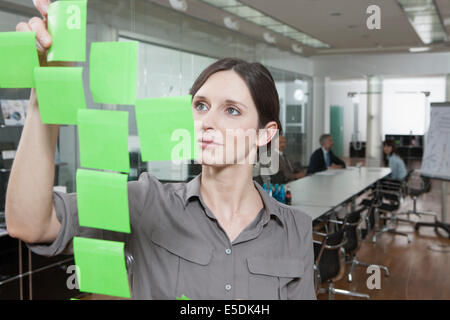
(207, 143)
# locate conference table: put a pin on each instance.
(324, 192)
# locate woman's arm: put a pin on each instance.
(303, 288)
(30, 214)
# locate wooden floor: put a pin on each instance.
(416, 272)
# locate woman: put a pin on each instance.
(398, 168)
(220, 236)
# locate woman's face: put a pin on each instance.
(387, 149)
(226, 120)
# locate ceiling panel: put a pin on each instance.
(342, 23)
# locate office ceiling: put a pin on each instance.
(342, 24)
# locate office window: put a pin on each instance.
(295, 103)
(406, 107)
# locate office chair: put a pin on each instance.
(354, 238)
(393, 192)
(436, 225)
(415, 188)
(329, 265)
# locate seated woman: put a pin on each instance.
(398, 168)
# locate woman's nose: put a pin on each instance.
(208, 120)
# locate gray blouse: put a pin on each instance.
(179, 248)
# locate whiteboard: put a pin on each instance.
(436, 157)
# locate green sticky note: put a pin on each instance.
(113, 72)
(18, 58)
(101, 267)
(67, 27)
(166, 129)
(102, 200)
(103, 137)
(60, 94)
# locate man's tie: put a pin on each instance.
(328, 160)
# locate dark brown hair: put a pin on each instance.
(391, 143)
(259, 81)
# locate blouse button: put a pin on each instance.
(228, 251)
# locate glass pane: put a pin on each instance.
(264, 21)
(222, 3)
(244, 11)
(293, 90)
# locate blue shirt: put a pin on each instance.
(397, 166)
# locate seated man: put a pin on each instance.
(288, 171)
(323, 158)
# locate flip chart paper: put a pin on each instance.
(60, 94)
(67, 27)
(18, 58)
(166, 129)
(101, 267)
(113, 72)
(102, 200)
(103, 136)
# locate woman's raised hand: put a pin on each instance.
(39, 25)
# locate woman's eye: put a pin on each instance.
(200, 107)
(233, 111)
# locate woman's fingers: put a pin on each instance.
(43, 39)
(23, 27)
(42, 6)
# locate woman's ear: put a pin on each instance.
(267, 134)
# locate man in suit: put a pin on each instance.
(288, 171)
(323, 158)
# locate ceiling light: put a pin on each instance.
(269, 38)
(180, 5)
(296, 48)
(424, 17)
(299, 94)
(419, 49)
(230, 23)
(259, 18)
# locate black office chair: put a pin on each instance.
(417, 186)
(329, 264)
(354, 238)
(392, 192)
